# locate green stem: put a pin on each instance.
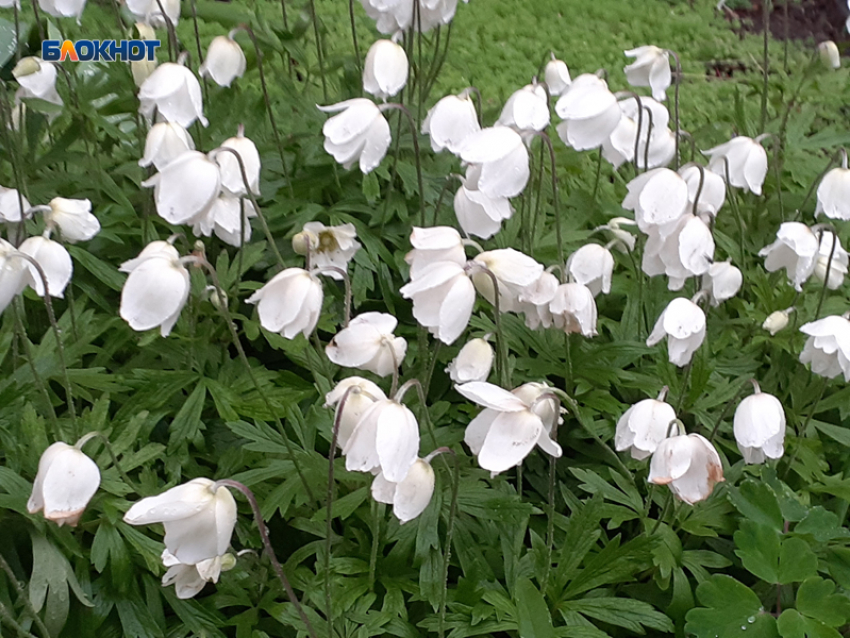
(319, 52)
(447, 555)
(23, 595)
(415, 135)
(766, 7)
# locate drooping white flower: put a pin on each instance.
(385, 70)
(66, 481)
(360, 133)
(12, 272)
(657, 143)
(385, 437)
(410, 496)
(624, 240)
(658, 197)
(392, 16)
(156, 289)
(472, 363)
(55, 262)
(73, 217)
(231, 174)
(534, 301)
(156, 248)
(432, 245)
(503, 434)
(526, 111)
(722, 281)
(713, 193)
(189, 580)
(837, 264)
(149, 12)
(174, 92)
(37, 79)
(503, 158)
(593, 266)
(10, 205)
(330, 246)
(513, 271)
(759, 427)
(443, 296)
(478, 214)
(683, 323)
(180, 205)
(619, 147)
(198, 517)
(651, 68)
(225, 60)
(795, 250)
(689, 464)
(679, 250)
(290, 303)
(361, 394)
(557, 76)
(828, 347)
(450, 121)
(589, 111)
(573, 309)
(829, 54)
(644, 426)
(166, 141)
(63, 8)
(747, 161)
(368, 343)
(776, 321)
(834, 193)
(227, 217)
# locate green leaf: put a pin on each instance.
(793, 625)
(758, 548)
(187, 425)
(371, 188)
(817, 599)
(757, 501)
(630, 614)
(797, 561)
(533, 617)
(730, 609)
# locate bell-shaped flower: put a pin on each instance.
(689, 464)
(557, 76)
(13, 269)
(713, 193)
(722, 281)
(619, 147)
(503, 158)
(644, 426)
(328, 245)
(290, 302)
(589, 111)
(150, 12)
(189, 580)
(747, 161)
(55, 262)
(776, 321)
(829, 55)
(387, 438)
(574, 309)
(450, 121)
(368, 343)
(385, 70)
(513, 271)
(73, 217)
(231, 174)
(174, 92)
(63, 8)
(534, 301)
(478, 214)
(198, 516)
(526, 111)
(759, 427)
(503, 434)
(795, 250)
(359, 395)
(834, 193)
(225, 60)
(683, 323)
(10, 205)
(443, 296)
(432, 245)
(592, 265)
(624, 241)
(410, 496)
(37, 79)
(657, 143)
(166, 141)
(360, 133)
(180, 205)
(227, 218)
(473, 362)
(156, 248)
(651, 68)
(835, 259)
(828, 346)
(658, 197)
(66, 481)
(679, 250)
(155, 291)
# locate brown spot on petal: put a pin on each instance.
(65, 518)
(662, 480)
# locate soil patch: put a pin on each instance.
(816, 20)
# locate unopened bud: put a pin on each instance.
(829, 54)
(776, 321)
(301, 243)
(27, 66)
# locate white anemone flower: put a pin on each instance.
(63, 8)
(557, 76)
(644, 426)
(526, 111)
(776, 321)
(386, 438)
(713, 193)
(73, 217)
(443, 296)
(473, 362)
(37, 79)
(333, 246)
(180, 205)
(432, 245)
(55, 262)
(514, 272)
(573, 309)
(534, 301)
(828, 347)
(360, 133)
(722, 281)
(478, 214)
(410, 496)
(368, 343)
(589, 111)
(450, 121)
(747, 162)
(231, 174)
(149, 12)
(503, 434)
(225, 61)
(795, 250)
(359, 395)
(624, 241)
(174, 93)
(189, 580)
(166, 141)
(651, 68)
(759, 427)
(156, 248)
(503, 158)
(227, 217)
(834, 193)
(619, 147)
(290, 302)
(683, 323)
(156, 289)
(385, 70)
(679, 250)
(658, 197)
(837, 264)
(12, 272)
(198, 516)
(689, 464)
(66, 481)
(592, 265)
(10, 205)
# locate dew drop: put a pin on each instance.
(743, 628)
(751, 619)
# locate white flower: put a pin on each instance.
(829, 54)
(331, 246)
(410, 496)
(55, 262)
(231, 174)
(828, 347)
(593, 266)
(174, 93)
(73, 217)
(513, 271)
(658, 197)
(225, 61)
(534, 301)
(503, 434)
(679, 250)
(198, 517)
(683, 323)
(689, 464)
(225, 218)
(624, 240)
(619, 147)
(289, 303)
(66, 481)
(472, 363)
(432, 245)
(574, 309)
(360, 133)
(188, 580)
(63, 8)
(747, 163)
(644, 426)
(557, 76)
(450, 121)
(776, 321)
(838, 265)
(12, 271)
(478, 214)
(385, 437)
(443, 296)
(362, 393)
(503, 158)
(148, 11)
(722, 281)
(759, 427)
(713, 193)
(10, 205)
(385, 70)
(180, 205)
(368, 343)
(653, 122)
(166, 141)
(526, 111)
(834, 193)
(37, 79)
(795, 250)
(590, 113)
(156, 290)
(651, 68)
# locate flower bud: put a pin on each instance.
(302, 243)
(27, 66)
(557, 76)
(776, 321)
(64, 485)
(829, 54)
(385, 71)
(225, 61)
(473, 362)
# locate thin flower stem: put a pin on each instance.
(354, 38)
(725, 411)
(598, 176)
(806, 75)
(17, 32)
(449, 178)
(650, 125)
(640, 107)
(699, 189)
(172, 35)
(447, 555)
(733, 202)
(502, 359)
(550, 525)
(38, 20)
(535, 216)
(23, 595)
(439, 66)
(267, 546)
(108, 445)
(415, 135)
(319, 52)
(377, 515)
(833, 160)
(667, 503)
(556, 209)
(347, 281)
(828, 268)
(6, 615)
(767, 5)
(676, 120)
